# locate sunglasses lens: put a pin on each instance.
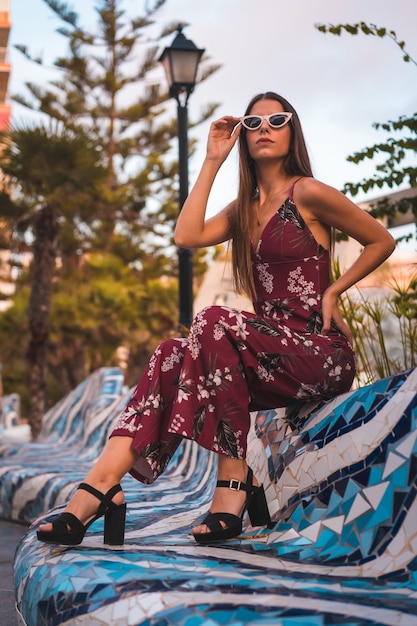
(253, 121)
(278, 120)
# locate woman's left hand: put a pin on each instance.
(330, 312)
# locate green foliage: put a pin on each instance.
(53, 170)
(103, 85)
(384, 328)
(48, 163)
(366, 29)
(14, 340)
(102, 305)
(97, 306)
(397, 150)
(115, 201)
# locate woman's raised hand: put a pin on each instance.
(222, 137)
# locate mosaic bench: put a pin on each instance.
(341, 486)
(11, 429)
(9, 411)
(36, 476)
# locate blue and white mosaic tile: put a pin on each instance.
(37, 476)
(340, 480)
(9, 411)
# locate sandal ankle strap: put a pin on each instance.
(105, 499)
(238, 485)
(235, 485)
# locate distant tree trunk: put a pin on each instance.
(42, 272)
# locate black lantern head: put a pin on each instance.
(180, 62)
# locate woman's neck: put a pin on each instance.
(272, 180)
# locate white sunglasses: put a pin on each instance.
(275, 120)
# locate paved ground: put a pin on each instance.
(10, 535)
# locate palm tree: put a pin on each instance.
(56, 181)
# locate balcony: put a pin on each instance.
(5, 111)
(4, 73)
(4, 23)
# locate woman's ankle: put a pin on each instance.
(229, 469)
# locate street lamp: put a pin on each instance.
(180, 62)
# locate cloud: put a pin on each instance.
(339, 85)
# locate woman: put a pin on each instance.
(295, 344)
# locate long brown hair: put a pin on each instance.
(297, 163)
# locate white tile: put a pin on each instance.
(335, 523)
(312, 532)
(359, 506)
(376, 493)
(406, 447)
(393, 462)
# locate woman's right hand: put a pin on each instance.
(222, 137)
(193, 230)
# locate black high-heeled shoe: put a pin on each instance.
(114, 521)
(256, 506)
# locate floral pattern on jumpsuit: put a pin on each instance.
(233, 362)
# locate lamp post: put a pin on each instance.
(180, 61)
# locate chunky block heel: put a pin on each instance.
(258, 508)
(68, 530)
(114, 525)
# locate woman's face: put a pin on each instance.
(266, 142)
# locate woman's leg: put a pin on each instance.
(114, 462)
(192, 388)
(226, 500)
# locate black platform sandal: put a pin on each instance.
(256, 506)
(114, 521)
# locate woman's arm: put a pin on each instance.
(332, 208)
(192, 229)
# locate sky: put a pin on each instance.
(340, 86)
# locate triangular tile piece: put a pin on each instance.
(366, 539)
(335, 523)
(412, 470)
(334, 502)
(399, 499)
(375, 494)
(382, 534)
(362, 478)
(287, 536)
(359, 506)
(312, 531)
(406, 447)
(352, 489)
(341, 485)
(393, 462)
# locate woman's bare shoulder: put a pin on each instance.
(317, 196)
(313, 188)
